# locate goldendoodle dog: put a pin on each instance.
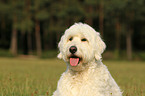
(81, 48)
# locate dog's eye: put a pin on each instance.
(84, 39)
(70, 39)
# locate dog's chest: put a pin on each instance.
(79, 85)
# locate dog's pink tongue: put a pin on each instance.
(74, 61)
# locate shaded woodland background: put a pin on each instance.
(34, 27)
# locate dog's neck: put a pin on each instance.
(90, 67)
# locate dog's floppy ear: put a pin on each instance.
(100, 47)
(60, 46)
(59, 55)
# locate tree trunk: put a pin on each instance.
(117, 41)
(89, 18)
(3, 27)
(38, 38)
(51, 36)
(129, 35)
(22, 41)
(45, 37)
(129, 43)
(29, 40)
(101, 17)
(13, 47)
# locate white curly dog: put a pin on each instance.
(81, 48)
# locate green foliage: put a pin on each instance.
(91, 2)
(39, 9)
(4, 8)
(115, 6)
(121, 55)
(49, 54)
(26, 25)
(42, 15)
(55, 16)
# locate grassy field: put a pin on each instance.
(38, 77)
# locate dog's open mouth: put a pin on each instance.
(74, 60)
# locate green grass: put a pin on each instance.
(38, 77)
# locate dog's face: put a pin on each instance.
(80, 45)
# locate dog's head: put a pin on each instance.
(80, 45)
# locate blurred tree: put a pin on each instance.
(130, 9)
(90, 12)
(40, 14)
(55, 24)
(46, 27)
(73, 13)
(101, 16)
(15, 10)
(5, 7)
(3, 15)
(49, 18)
(62, 15)
(139, 34)
(27, 24)
(115, 10)
(95, 9)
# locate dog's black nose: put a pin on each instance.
(73, 49)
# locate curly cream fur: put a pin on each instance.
(91, 77)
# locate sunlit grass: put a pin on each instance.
(36, 77)
(28, 77)
(129, 76)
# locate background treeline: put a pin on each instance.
(35, 26)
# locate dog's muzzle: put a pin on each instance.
(73, 49)
(74, 60)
